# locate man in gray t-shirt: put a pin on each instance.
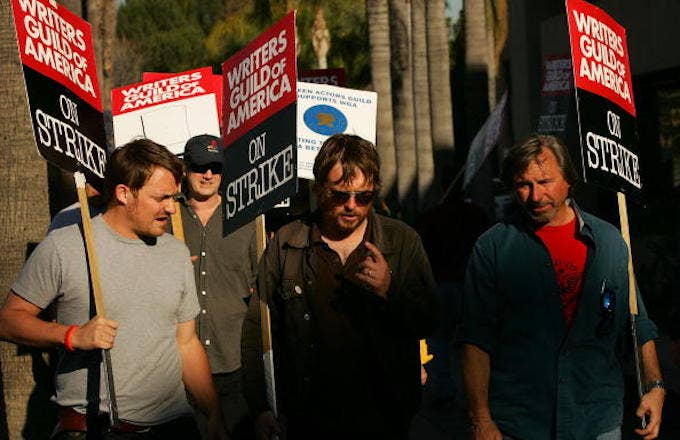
(150, 300)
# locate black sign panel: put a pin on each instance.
(609, 144)
(69, 132)
(260, 169)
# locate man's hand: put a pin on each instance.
(375, 272)
(484, 429)
(266, 426)
(98, 332)
(651, 405)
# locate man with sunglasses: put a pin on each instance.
(545, 321)
(224, 269)
(350, 293)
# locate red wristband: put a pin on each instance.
(68, 336)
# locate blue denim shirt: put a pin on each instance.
(549, 380)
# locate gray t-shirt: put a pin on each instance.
(147, 288)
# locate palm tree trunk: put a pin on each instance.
(421, 104)
(440, 87)
(24, 204)
(379, 38)
(402, 99)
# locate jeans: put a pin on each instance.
(229, 387)
(183, 428)
(614, 434)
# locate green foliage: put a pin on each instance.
(176, 35)
(168, 34)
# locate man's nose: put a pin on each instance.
(351, 203)
(208, 173)
(536, 193)
(170, 206)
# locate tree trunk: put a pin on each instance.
(24, 204)
(421, 104)
(402, 98)
(496, 17)
(440, 89)
(379, 37)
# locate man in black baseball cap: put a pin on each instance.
(224, 269)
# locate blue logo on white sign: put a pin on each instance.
(325, 120)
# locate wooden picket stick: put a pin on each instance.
(93, 264)
(177, 225)
(625, 232)
(89, 244)
(632, 297)
(267, 350)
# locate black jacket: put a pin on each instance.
(285, 278)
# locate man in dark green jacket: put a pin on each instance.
(546, 312)
(350, 293)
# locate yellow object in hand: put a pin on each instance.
(425, 357)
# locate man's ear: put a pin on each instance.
(123, 194)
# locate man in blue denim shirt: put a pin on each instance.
(546, 315)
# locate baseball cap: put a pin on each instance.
(203, 149)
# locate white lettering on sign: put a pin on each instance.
(614, 124)
(254, 84)
(61, 137)
(256, 148)
(69, 109)
(56, 43)
(182, 86)
(608, 155)
(602, 51)
(260, 181)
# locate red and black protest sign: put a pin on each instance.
(61, 82)
(556, 94)
(604, 93)
(259, 123)
(333, 77)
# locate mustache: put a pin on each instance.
(531, 204)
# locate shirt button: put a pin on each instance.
(203, 254)
(202, 272)
(203, 292)
(207, 342)
(563, 380)
(203, 311)
(306, 316)
(309, 282)
(298, 289)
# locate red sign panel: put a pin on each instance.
(600, 54)
(163, 89)
(259, 80)
(58, 44)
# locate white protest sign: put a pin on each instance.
(325, 110)
(167, 110)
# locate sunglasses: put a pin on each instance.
(362, 198)
(214, 167)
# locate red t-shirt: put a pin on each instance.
(568, 255)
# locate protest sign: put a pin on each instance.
(556, 89)
(325, 110)
(259, 125)
(216, 87)
(61, 83)
(333, 77)
(604, 94)
(169, 109)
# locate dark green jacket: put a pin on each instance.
(548, 381)
(286, 277)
